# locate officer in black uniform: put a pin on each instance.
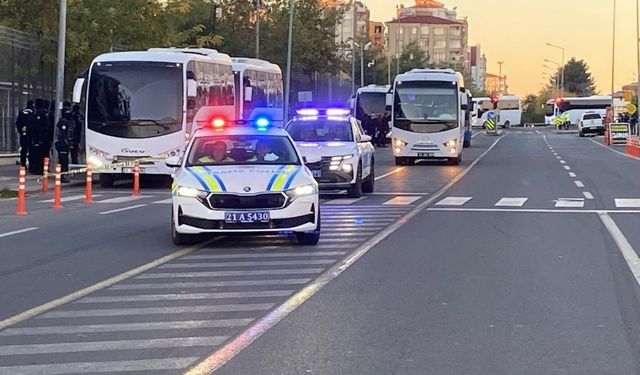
(24, 123)
(78, 120)
(64, 141)
(39, 135)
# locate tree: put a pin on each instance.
(577, 78)
(412, 57)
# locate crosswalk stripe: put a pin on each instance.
(210, 284)
(186, 296)
(156, 310)
(587, 195)
(126, 199)
(124, 327)
(567, 167)
(570, 203)
(401, 201)
(571, 174)
(70, 198)
(313, 262)
(345, 201)
(453, 201)
(511, 202)
(164, 201)
(110, 367)
(627, 203)
(579, 183)
(266, 255)
(75, 347)
(164, 275)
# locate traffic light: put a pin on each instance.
(494, 101)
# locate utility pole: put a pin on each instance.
(500, 77)
(353, 49)
(287, 92)
(257, 29)
(613, 62)
(637, 129)
(62, 26)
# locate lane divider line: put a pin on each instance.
(579, 183)
(25, 230)
(390, 173)
(571, 174)
(587, 195)
(228, 351)
(532, 210)
(17, 318)
(629, 254)
(122, 209)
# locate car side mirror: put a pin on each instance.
(77, 90)
(173, 162)
(365, 138)
(312, 159)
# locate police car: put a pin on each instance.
(243, 179)
(346, 153)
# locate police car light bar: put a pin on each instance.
(218, 123)
(307, 112)
(338, 112)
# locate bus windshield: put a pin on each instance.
(549, 109)
(426, 106)
(370, 102)
(135, 99)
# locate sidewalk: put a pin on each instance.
(9, 179)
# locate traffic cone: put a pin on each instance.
(45, 176)
(136, 180)
(22, 204)
(88, 190)
(57, 191)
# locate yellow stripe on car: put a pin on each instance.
(282, 178)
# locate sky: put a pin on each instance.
(516, 32)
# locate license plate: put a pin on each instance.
(317, 173)
(425, 154)
(246, 217)
(130, 170)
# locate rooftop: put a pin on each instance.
(425, 20)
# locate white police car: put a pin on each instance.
(346, 154)
(243, 180)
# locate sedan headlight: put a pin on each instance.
(187, 192)
(302, 191)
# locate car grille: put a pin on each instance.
(425, 148)
(221, 225)
(246, 202)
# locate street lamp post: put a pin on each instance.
(287, 92)
(637, 127)
(353, 49)
(613, 61)
(500, 77)
(257, 29)
(556, 80)
(561, 66)
(62, 26)
(363, 47)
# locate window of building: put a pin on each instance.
(455, 31)
(439, 56)
(414, 31)
(401, 30)
(456, 43)
(424, 30)
(438, 31)
(441, 44)
(424, 43)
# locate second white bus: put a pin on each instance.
(259, 91)
(576, 106)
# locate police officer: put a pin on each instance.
(78, 120)
(65, 139)
(39, 136)
(24, 123)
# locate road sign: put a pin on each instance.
(619, 133)
(631, 108)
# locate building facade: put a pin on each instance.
(377, 34)
(496, 85)
(345, 28)
(437, 30)
(477, 67)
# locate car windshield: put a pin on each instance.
(242, 150)
(320, 130)
(592, 116)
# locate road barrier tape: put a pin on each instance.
(107, 167)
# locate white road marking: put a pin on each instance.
(511, 202)
(397, 193)
(264, 255)
(567, 167)
(110, 367)
(563, 162)
(578, 183)
(122, 209)
(453, 201)
(70, 198)
(627, 203)
(76, 347)
(187, 296)
(570, 203)
(401, 201)
(209, 284)
(344, 201)
(25, 230)
(172, 275)
(571, 174)
(124, 327)
(587, 195)
(558, 157)
(311, 262)
(224, 354)
(629, 254)
(398, 169)
(164, 201)
(126, 199)
(532, 210)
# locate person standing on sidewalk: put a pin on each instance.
(39, 135)
(24, 122)
(65, 139)
(78, 120)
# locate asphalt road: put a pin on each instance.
(520, 261)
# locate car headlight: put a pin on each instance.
(184, 191)
(302, 191)
(339, 162)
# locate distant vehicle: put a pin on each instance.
(479, 108)
(428, 117)
(370, 99)
(590, 123)
(259, 90)
(142, 106)
(509, 111)
(575, 107)
(347, 155)
(243, 179)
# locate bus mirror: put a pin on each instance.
(191, 104)
(464, 107)
(248, 94)
(192, 88)
(389, 99)
(388, 108)
(77, 90)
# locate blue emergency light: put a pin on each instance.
(262, 123)
(314, 112)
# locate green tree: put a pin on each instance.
(412, 57)
(578, 80)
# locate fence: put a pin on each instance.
(319, 90)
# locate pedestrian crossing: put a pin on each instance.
(520, 202)
(164, 320)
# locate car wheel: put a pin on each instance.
(309, 238)
(507, 124)
(106, 180)
(456, 161)
(369, 184)
(400, 161)
(581, 133)
(180, 239)
(355, 191)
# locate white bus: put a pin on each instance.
(259, 91)
(480, 107)
(509, 111)
(576, 107)
(142, 105)
(428, 117)
(370, 99)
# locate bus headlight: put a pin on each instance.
(399, 142)
(451, 144)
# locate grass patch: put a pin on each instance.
(8, 193)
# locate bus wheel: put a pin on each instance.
(106, 180)
(507, 124)
(456, 161)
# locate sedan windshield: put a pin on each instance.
(321, 130)
(242, 150)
